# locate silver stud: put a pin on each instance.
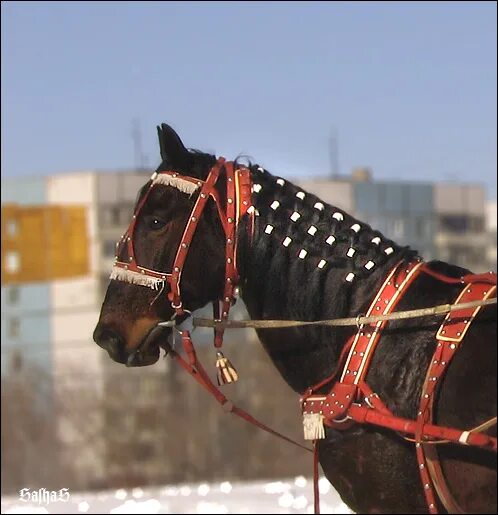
(194, 219)
(268, 229)
(452, 346)
(177, 269)
(443, 363)
(300, 194)
(229, 241)
(356, 227)
(322, 263)
(295, 216)
(338, 216)
(427, 486)
(230, 201)
(417, 445)
(350, 253)
(330, 240)
(203, 195)
(376, 240)
(227, 299)
(256, 188)
(130, 258)
(229, 260)
(184, 245)
(230, 220)
(459, 334)
(250, 209)
(312, 230)
(369, 265)
(287, 241)
(389, 250)
(426, 396)
(319, 206)
(280, 182)
(350, 277)
(274, 205)
(303, 253)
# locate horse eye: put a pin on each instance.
(156, 223)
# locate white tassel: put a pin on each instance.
(313, 426)
(176, 182)
(128, 276)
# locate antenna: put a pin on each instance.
(136, 134)
(334, 153)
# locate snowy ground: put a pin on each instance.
(287, 496)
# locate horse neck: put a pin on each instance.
(296, 268)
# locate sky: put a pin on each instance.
(408, 89)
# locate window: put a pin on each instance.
(398, 229)
(13, 327)
(109, 248)
(16, 361)
(12, 227)
(454, 223)
(12, 262)
(13, 295)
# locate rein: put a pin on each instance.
(279, 324)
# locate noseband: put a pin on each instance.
(238, 203)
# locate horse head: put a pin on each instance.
(140, 294)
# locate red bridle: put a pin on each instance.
(238, 202)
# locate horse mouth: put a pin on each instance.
(149, 350)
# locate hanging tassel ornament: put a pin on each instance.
(313, 426)
(226, 372)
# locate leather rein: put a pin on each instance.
(350, 400)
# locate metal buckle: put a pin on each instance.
(186, 325)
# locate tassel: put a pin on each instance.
(313, 426)
(226, 371)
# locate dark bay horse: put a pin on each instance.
(298, 258)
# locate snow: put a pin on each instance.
(294, 495)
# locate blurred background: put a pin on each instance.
(386, 110)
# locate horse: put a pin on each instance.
(207, 230)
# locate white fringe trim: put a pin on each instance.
(176, 182)
(128, 276)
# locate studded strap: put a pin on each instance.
(449, 337)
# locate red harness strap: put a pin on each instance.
(351, 399)
(449, 337)
(194, 367)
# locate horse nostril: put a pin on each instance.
(111, 341)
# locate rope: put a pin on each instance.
(277, 324)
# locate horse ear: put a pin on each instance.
(172, 149)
